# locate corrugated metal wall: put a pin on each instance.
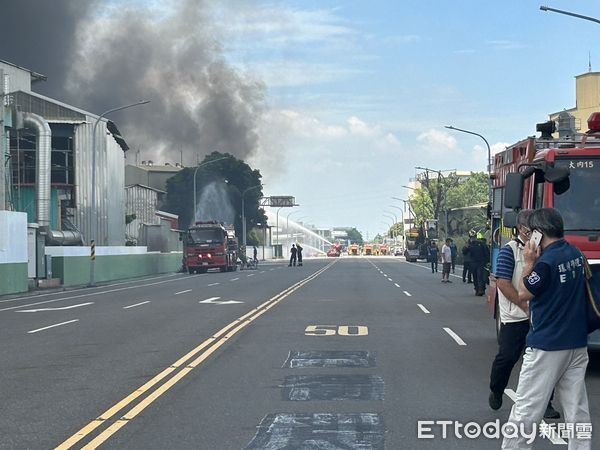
(142, 202)
(107, 224)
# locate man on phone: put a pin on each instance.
(514, 321)
(553, 290)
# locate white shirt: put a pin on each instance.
(446, 254)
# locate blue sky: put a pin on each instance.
(358, 92)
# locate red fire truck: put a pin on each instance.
(209, 245)
(548, 172)
(335, 250)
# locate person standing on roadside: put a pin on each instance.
(454, 252)
(293, 252)
(299, 248)
(553, 291)
(480, 254)
(514, 321)
(433, 254)
(446, 261)
(467, 262)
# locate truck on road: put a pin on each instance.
(209, 245)
(549, 172)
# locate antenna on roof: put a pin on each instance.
(589, 61)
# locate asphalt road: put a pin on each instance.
(342, 354)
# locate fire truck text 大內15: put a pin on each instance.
(209, 245)
(547, 172)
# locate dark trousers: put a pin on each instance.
(478, 277)
(293, 260)
(467, 272)
(512, 344)
(434, 266)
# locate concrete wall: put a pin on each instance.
(75, 270)
(13, 252)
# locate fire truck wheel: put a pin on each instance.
(223, 268)
(190, 270)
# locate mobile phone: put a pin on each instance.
(536, 237)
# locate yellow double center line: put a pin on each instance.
(202, 352)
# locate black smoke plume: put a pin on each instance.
(102, 55)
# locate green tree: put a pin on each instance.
(355, 236)
(469, 191)
(233, 176)
(421, 205)
(396, 230)
(438, 195)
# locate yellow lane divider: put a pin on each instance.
(214, 342)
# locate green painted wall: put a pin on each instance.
(13, 278)
(75, 270)
(25, 201)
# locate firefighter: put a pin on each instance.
(293, 252)
(299, 249)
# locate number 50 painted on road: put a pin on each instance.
(332, 330)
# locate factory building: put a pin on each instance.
(48, 173)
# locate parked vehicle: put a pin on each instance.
(548, 172)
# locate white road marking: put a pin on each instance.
(262, 271)
(553, 435)
(427, 267)
(397, 285)
(52, 326)
(408, 294)
(234, 279)
(425, 310)
(213, 284)
(390, 279)
(182, 292)
(215, 301)
(271, 269)
(251, 275)
(384, 275)
(137, 304)
(56, 309)
(98, 287)
(455, 336)
(94, 293)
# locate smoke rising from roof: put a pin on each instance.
(110, 54)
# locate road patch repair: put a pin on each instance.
(319, 430)
(329, 358)
(332, 387)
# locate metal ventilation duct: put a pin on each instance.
(566, 125)
(42, 167)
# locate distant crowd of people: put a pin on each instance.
(476, 256)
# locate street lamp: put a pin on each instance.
(196, 172)
(94, 229)
(410, 213)
(579, 16)
(489, 151)
(395, 221)
(244, 214)
(403, 224)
